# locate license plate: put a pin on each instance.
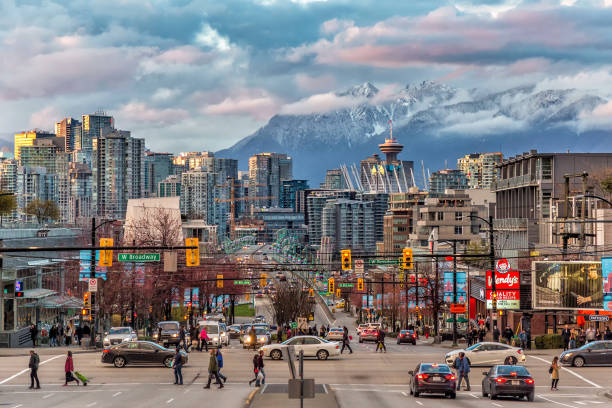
(436, 379)
(515, 382)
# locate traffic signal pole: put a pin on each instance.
(454, 292)
(92, 275)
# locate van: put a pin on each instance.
(217, 334)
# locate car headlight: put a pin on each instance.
(106, 340)
(155, 336)
(175, 335)
(568, 355)
(262, 339)
(215, 339)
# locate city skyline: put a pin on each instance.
(195, 71)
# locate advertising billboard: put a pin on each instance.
(449, 286)
(569, 285)
(606, 269)
(507, 291)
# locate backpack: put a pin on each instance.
(456, 363)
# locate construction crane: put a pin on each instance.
(233, 200)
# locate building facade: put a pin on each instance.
(447, 179)
(480, 168)
(266, 172)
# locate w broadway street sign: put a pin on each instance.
(384, 261)
(138, 257)
(242, 282)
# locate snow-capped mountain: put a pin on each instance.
(434, 122)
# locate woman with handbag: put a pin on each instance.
(554, 373)
(69, 368)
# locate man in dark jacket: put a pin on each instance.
(182, 339)
(380, 341)
(508, 335)
(220, 363)
(463, 369)
(34, 362)
(177, 364)
(496, 334)
(213, 370)
(345, 340)
(33, 334)
(566, 334)
(260, 369)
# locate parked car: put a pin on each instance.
(234, 331)
(139, 352)
(368, 334)
(117, 335)
(488, 354)
(508, 380)
(406, 336)
(311, 345)
(340, 303)
(361, 327)
(170, 331)
(260, 319)
(262, 337)
(214, 330)
(335, 334)
(594, 353)
(432, 378)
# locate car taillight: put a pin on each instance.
(500, 380)
(422, 376)
(529, 380)
(450, 377)
(337, 347)
(105, 351)
(519, 351)
(414, 336)
(401, 335)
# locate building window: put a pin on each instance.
(458, 230)
(458, 216)
(440, 216)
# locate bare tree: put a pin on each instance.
(289, 303)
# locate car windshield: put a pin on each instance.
(212, 329)
(260, 331)
(336, 330)
(120, 330)
(168, 326)
(473, 347)
(508, 370)
(435, 368)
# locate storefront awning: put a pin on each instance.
(38, 293)
(57, 302)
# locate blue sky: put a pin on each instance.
(202, 74)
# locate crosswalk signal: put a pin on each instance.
(345, 255)
(407, 259)
(338, 292)
(87, 300)
(331, 285)
(106, 256)
(86, 313)
(219, 281)
(359, 284)
(192, 255)
(263, 280)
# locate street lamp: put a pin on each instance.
(594, 196)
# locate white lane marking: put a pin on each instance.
(117, 393)
(474, 395)
(187, 390)
(555, 402)
(170, 400)
(404, 393)
(18, 405)
(27, 369)
(580, 402)
(497, 405)
(325, 389)
(571, 372)
(91, 404)
(47, 396)
(418, 402)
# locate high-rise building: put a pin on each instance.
(81, 192)
(399, 219)
(451, 179)
(27, 139)
(349, 224)
(70, 130)
(158, 166)
(334, 180)
(480, 168)
(118, 172)
(380, 204)
(315, 202)
(290, 193)
(91, 128)
(169, 187)
(266, 171)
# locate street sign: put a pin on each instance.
(359, 268)
(324, 293)
(138, 257)
(293, 325)
(383, 261)
(599, 318)
(345, 285)
(457, 308)
(242, 282)
(93, 285)
(302, 323)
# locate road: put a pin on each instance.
(361, 379)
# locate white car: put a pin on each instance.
(488, 354)
(312, 346)
(118, 335)
(362, 327)
(335, 334)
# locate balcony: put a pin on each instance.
(520, 181)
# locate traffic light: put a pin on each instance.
(360, 284)
(338, 292)
(331, 285)
(86, 313)
(263, 280)
(87, 300)
(311, 292)
(345, 254)
(192, 255)
(407, 259)
(219, 281)
(106, 256)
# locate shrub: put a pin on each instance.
(549, 341)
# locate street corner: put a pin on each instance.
(277, 395)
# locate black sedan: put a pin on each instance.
(432, 378)
(594, 353)
(508, 380)
(406, 336)
(139, 352)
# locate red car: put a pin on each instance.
(406, 336)
(368, 334)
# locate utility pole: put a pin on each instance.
(492, 267)
(416, 293)
(92, 275)
(454, 291)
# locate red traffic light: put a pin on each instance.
(18, 294)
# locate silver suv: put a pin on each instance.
(118, 335)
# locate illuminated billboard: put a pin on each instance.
(507, 290)
(567, 285)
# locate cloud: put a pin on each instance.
(315, 84)
(163, 94)
(45, 118)
(257, 103)
(210, 38)
(320, 103)
(334, 25)
(143, 113)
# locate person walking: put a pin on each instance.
(34, 334)
(177, 364)
(79, 334)
(255, 369)
(183, 339)
(203, 339)
(508, 335)
(193, 335)
(496, 334)
(481, 333)
(68, 369)
(590, 335)
(68, 335)
(261, 374)
(345, 340)
(566, 334)
(34, 362)
(380, 341)
(554, 374)
(523, 339)
(220, 364)
(463, 370)
(213, 370)
(53, 336)
(253, 337)
(608, 334)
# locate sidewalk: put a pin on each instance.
(43, 351)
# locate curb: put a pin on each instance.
(247, 402)
(608, 394)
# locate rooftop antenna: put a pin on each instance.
(390, 123)
(446, 164)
